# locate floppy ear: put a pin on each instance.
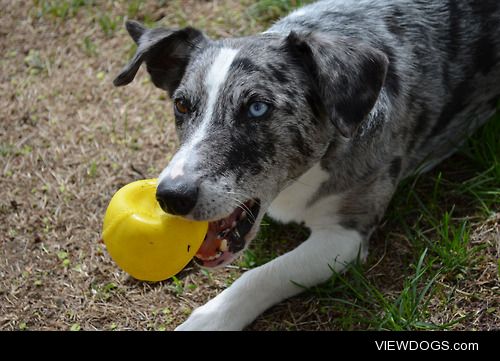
(346, 75)
(166, 52)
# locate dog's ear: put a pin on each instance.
(346, 76)
(166, 52)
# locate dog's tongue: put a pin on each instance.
(211, 243)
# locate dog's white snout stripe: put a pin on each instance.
(214, 82)
(177, 168)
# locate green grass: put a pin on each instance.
(452, 250)
(266, 11)
(426, 223)
(483, 150)
(89, 47)
(62, 9)
(406, 310)
(109, 24)
(134, 7)
(272, 240)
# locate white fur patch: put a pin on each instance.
(178, 168)
(291, 203)
(175, 167)
(214, 81)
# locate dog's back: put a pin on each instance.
(444, 71)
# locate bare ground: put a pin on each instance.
(69, 140)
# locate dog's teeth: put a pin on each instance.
(234, 224)
(211, 258)
(223, 245)
(243, 215)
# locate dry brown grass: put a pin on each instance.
(69, 140)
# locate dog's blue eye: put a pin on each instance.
(258, 109)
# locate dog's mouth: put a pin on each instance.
(228, 236)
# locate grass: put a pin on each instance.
(109, 24)
(61, 9)
(407, 310)
(71, 140)
(272, 240)
(483, 150)
(267, 11)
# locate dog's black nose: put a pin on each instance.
(177, 197)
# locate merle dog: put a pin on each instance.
(316, 121)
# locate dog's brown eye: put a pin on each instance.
(180, 106)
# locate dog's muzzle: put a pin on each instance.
(225, 237)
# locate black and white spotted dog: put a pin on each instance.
(315, 120)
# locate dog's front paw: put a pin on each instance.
(216, 315)
(200, 320)
(204, 319)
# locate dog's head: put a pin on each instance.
(252, 114)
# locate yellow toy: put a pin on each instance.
(143, 240)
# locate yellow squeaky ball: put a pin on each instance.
(143, 240)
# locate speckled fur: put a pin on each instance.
(442, 83)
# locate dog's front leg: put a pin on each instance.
(260, 288)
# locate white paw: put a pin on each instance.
(223, 313)
(233, 309)
(206, 318)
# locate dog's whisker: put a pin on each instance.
(245, 208)
(240, 197)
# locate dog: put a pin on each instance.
(315, 121)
